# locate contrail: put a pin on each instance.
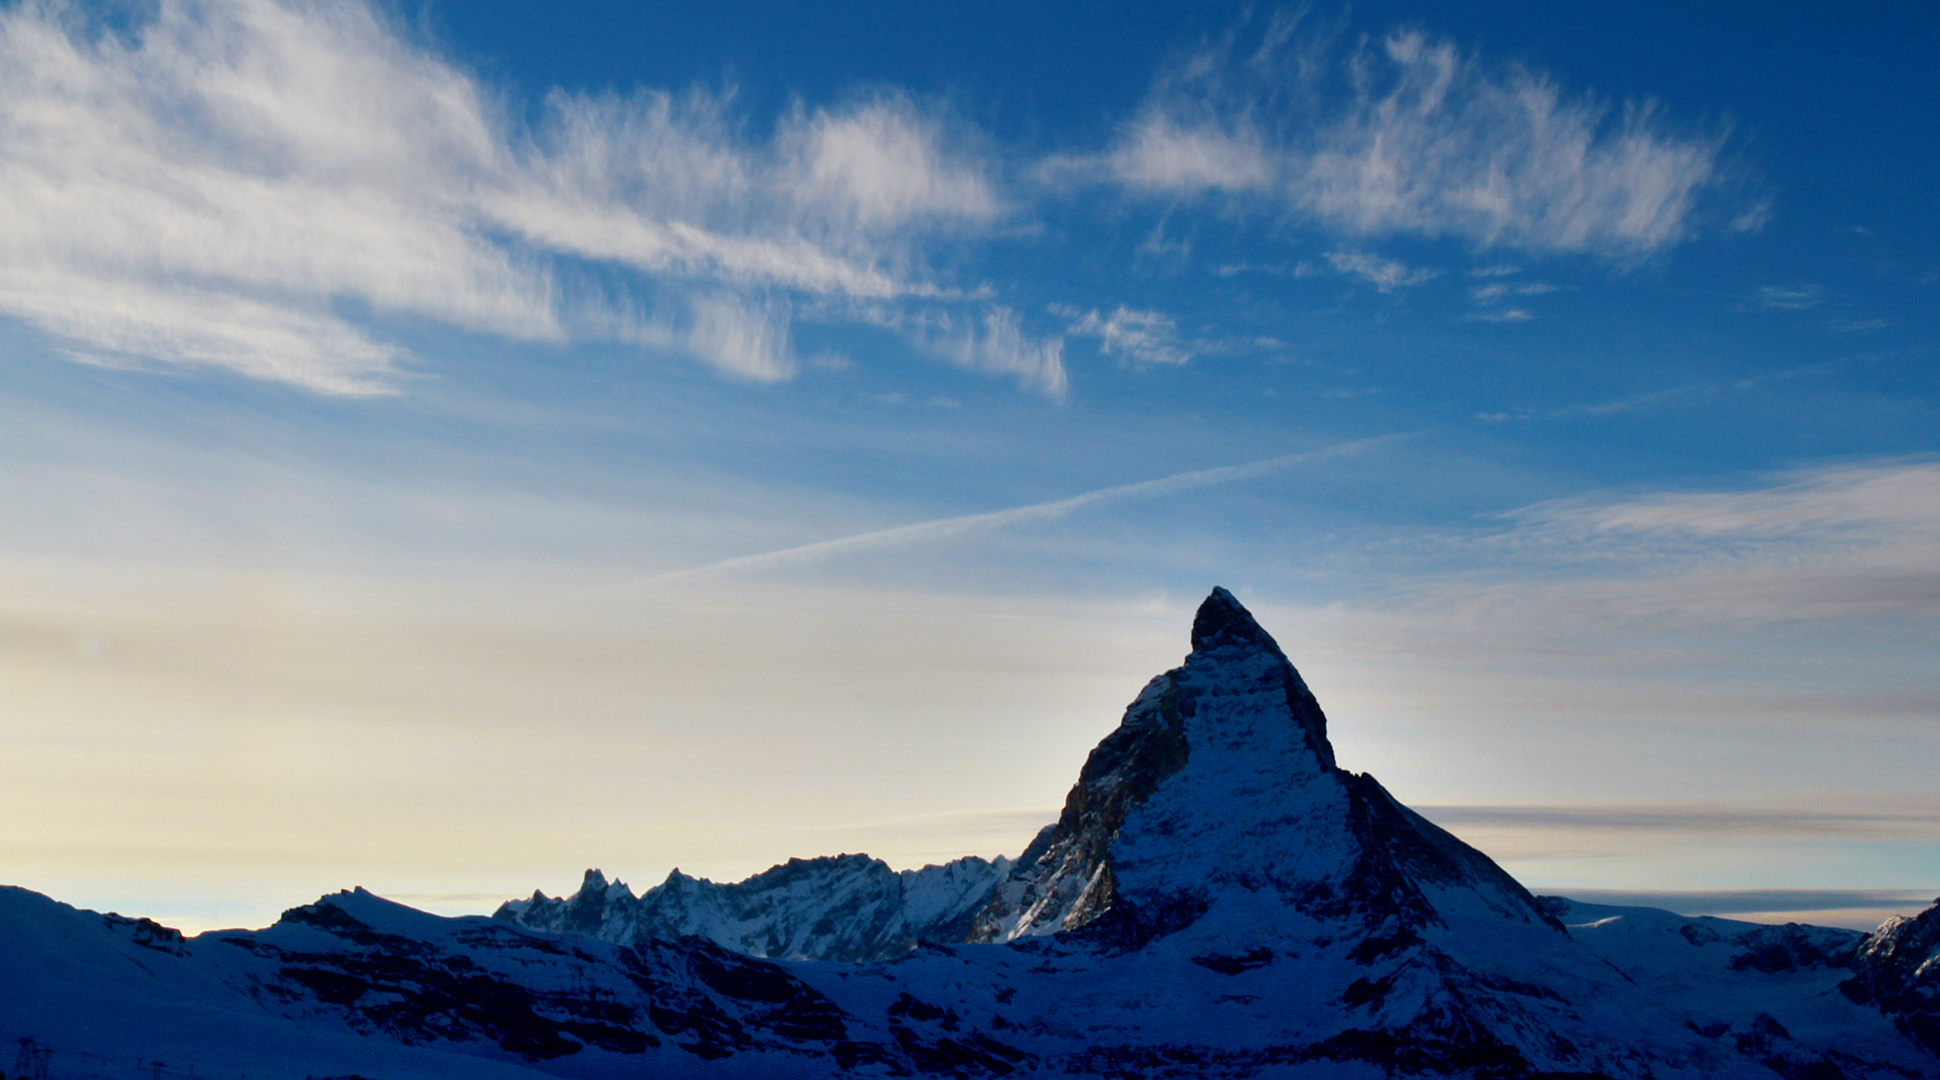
(946, 528)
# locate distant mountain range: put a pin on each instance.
(1217, 899)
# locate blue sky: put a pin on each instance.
(452, 445)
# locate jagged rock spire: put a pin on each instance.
(1223, 622)
(1232, 653)
(1235, 693)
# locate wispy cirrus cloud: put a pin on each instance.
(130, 323)
(741, 339)
(995, 343)
(1409, 135)
(985, 337)
(1499, 315)
(1386, 275)
(665, 183)
(211, 185)
(1883, 501)
(1786, 297)
(1855, 546)
(1143, 337)
(1489, 294)
(1491, 300)
(1857, 326)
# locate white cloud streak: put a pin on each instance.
(1897, 501)
(996, 344)
(951, 528)
(1499, 315)
(1143, 337)
(1489, 294)
(1788, 297)
(742, 340)
(979, 336)
(121, 323)
(1858, 326)
(1406, 134)
(211, 186)
(1386, 275)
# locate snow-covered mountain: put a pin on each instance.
(1897, 969)
(1780, 995)
(1217, 899)
(354, 985)
(841, 907)
(1220, 781)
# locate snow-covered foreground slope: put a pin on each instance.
(1218, 899)
(1790, 996)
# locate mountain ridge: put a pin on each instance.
(781, 912)
(1218, 898)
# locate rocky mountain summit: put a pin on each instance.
(1221, 780)
(1218, 898)
(840, 907)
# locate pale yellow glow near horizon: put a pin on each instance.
(173, 727)
(210, 747)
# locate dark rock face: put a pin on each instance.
(1064, 879)
(1259, 956)
(938, 1041)
(146, 933)
(1897, 969)
(1791, 947)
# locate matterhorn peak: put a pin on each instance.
(1219, 781)
(1236, 663)
(1223, 622)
